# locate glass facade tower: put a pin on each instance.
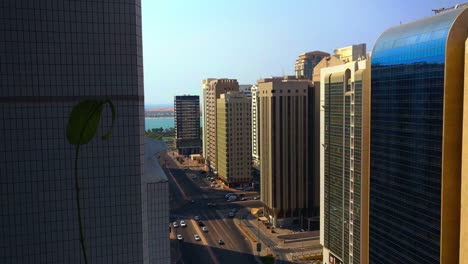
(416, 102)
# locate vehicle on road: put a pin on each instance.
(231, 214)
(243, 199)
(232, 198)
(239, 188)
(197, 237)
(229, 194)
(212, 185)
(179, 237)
(200, 223)
(211, 204)
(183, 224)
(221, 242)
(197, 218)
(204, 229)
(175, 225)
(256, 197)
(248, 189)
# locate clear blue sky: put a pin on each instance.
(185, 41)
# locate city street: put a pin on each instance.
(235, 249)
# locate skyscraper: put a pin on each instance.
(53, 55)
(233, 144)
(212, 90)
(255, 127)
(306, 62)
(289, 188)
(416, 140)
(187, 124)
(344, 178)
(246, 89)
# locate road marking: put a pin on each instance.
(205, 242)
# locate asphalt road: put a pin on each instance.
(236, 249)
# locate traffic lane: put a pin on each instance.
(192, 251)
(190, 188)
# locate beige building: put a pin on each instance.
(351, 53)
(464, 176)
(306, 62)
(211, 91)
(233, 141)
(255, 128)
(344, 163)
(289, 186)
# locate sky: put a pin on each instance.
(185, 41)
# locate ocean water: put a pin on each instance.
(166, 122)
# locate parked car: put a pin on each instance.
(231, 214)
(221, 242)
(243, 199)
(175, 225)
(200, 223)
(197, 218)
(204, 229)
(227, 195)
(179, 237)
(256, 197)
(197, 237)
(183, 224)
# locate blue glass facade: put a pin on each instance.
(407, 72)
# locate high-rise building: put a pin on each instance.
(351, 53)
(344, 178)
(416, 140)
(55, 54)
(212, 90)
(234, 159)
(203, 108)
(289, 186)
(255, 127)
(187, 124)
(306, 62)
(246, 89)
(464, 184)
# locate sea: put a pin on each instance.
(164, 122)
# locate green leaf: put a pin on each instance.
(84, 121)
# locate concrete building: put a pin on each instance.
(187, 124)
(203, 108)
(351, 53)
(306, 62)
(416, 141)
(246, 89)
(212, 90)
(289, 184)
(464, 180)
(55, 54)
(255, 127)
(234, 159)
(344, 152)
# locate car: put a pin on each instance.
(232, 198)
(257, 198)
(231, 214)
(204, 229)
(183, 224)
(239, 188)
(179, 237)
(229, 194)
(194, 177)
(192, 201)
(200, 223)
(197, 237)
(197, 218)
(175, 225)
(211, 204)
(221, 242)
(243, 199)
(212, 185)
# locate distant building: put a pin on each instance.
(212, 90)
(246, 89)
(351, 53)
(289, 186)
(255, 127)
(344, 175)
(187, 124)
(203, 109)
(417, 108)
(306, 62)
(234, 158)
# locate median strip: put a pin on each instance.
(247, 233)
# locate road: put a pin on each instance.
(236, 249)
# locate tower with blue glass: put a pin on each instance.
(417, 75)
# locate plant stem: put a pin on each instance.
(78, 206)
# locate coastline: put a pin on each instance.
(158, 117)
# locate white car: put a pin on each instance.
(179, 237)
(197, 237)
(243, 199)
(183, 224)
(175, 224)
(227, 195)
(197, 218)
(204, 229)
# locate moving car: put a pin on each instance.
(231, 214)
(221, 242)
(204, 229)
(183, 224)
(200, 223)
(243, 199)
(175, 225)
(256, 197)
(227, 195)
(197, 218)
(197, 237)
(179, 237)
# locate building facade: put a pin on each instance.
(54, 55)
(187, 124)
(289, 188)
(203, 109)
(351, 53)
(212, 90)
(246, 89)
(344, 179)
(255, 127)
(234, 161)
(304, 67)
(416, 140)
